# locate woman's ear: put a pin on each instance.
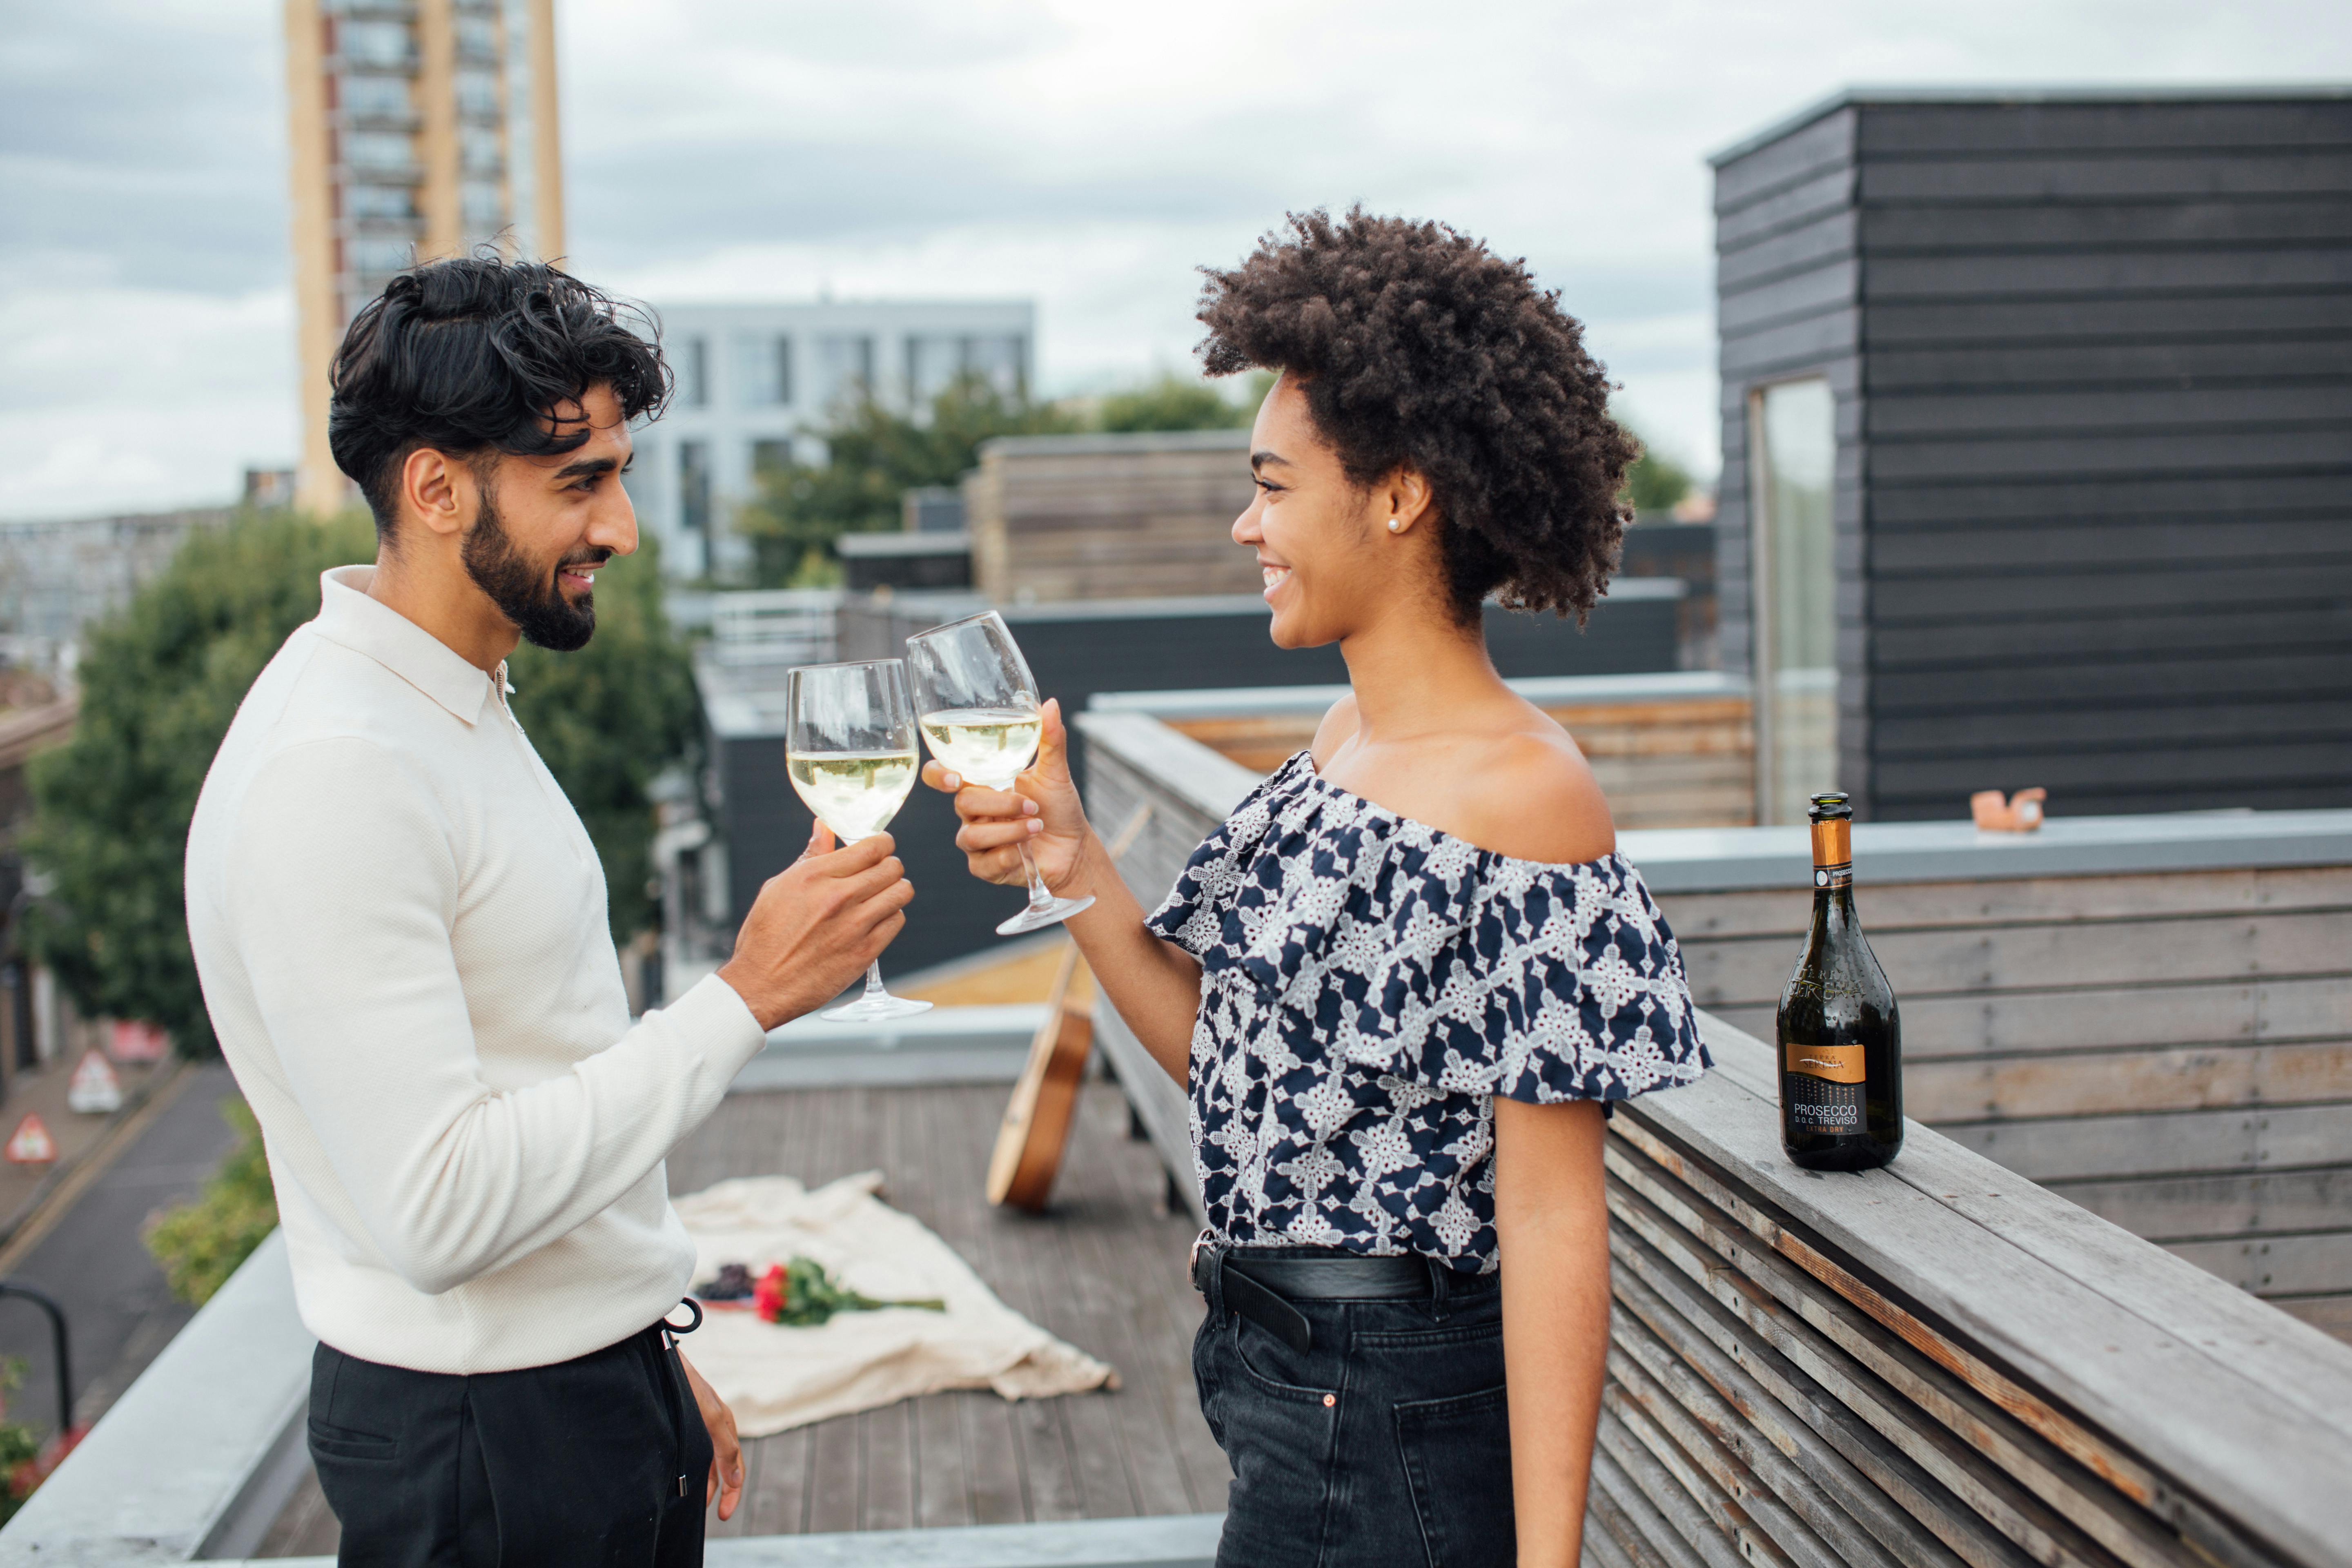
(1407, 496)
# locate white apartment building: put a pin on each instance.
(755, 383)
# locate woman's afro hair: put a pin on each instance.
(1418, 347)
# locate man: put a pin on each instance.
(399, 925)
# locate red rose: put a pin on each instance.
(768, 1295)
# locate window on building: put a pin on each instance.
(770, 455)
(934, 362)
(373, 43)
(377, 150)
(764, 370)
(484, 202)
(393, 203)
(844, 368)
(479, 150)
(477, 94)
(693, 373)
(1792, 431)
(694, 487)
(366, 97)
(378, 256)
(477, 39)
(1001, 361)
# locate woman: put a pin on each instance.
(1404, 978)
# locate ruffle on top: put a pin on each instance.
(1411, 953)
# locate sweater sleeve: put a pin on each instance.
(343, 888)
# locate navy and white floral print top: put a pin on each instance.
(1368, 984)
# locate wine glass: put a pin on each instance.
(980, 714)
(849, 746)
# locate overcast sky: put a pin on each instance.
(1085, 154)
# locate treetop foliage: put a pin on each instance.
(875, 453)
(1656, 481)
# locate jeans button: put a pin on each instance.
(1330, 1400)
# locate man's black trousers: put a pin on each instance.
(601, 1460)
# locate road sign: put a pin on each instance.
(95, 1089)
(31, 1145)
(137, 1042)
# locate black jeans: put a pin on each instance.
(1388, 1443)
(567, 1465)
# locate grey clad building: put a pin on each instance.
(2037, 415)
(754, 380)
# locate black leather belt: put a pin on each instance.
(1262, 1289)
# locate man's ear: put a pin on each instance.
(436, 491)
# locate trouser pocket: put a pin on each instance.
(1457, 1463)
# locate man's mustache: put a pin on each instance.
(586, 558)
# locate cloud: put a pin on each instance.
(147, 141)
(117, 399)
(1086, 155)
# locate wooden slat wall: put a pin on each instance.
(1787, 301)
(1684, 762)
(2108, 369)
(1109, 517)
(1939, 1365)
(2172, 1051)
(2103, 359)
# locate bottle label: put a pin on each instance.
(1832, 854)
(1822, 1088)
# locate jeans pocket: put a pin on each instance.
(1458, 1461)
(1279, 1437)
(342, 1443)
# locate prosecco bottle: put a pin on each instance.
(1841, 1037)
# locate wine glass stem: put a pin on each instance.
(874, 986)
(1040, 895)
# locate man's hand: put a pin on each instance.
(816, 925)
(726, 1450)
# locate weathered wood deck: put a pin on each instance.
(1105, 1270)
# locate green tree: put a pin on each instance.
(160, 682)
(608, 718)
(201, 1243)
(1656, 481)
(875, 453)
(1174, 403)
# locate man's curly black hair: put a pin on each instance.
(474, 355)
(1418, 347)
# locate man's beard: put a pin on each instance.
(527, 595)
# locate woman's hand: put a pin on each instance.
(726, 1481)
(1041, 810)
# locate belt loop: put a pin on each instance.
(1441, 1281)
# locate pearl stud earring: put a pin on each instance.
(1395, 526)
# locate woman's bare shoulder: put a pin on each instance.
(1531, 796)
(1338, 723)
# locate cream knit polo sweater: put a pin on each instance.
(400, 926)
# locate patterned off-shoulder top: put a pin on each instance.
(1369, 984)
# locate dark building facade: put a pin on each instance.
(1075, 650)
(2037, 416)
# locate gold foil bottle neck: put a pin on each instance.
(1833, 843)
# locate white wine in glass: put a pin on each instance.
(849, 746)
(981, 719)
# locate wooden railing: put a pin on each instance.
(1670, 750)
(1936, 1363)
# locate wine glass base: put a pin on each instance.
(874, 1009)
(1054, 911)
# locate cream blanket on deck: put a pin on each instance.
(777, 1378)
